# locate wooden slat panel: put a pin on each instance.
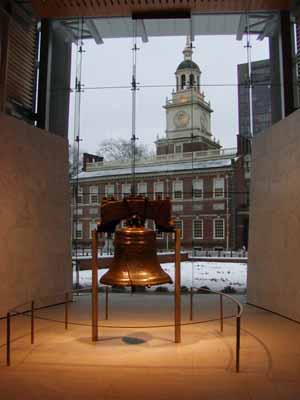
(21, 65)
(98, 8)
(3, 59)
(298, 52)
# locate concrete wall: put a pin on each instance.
(274, 242)
(35, 257)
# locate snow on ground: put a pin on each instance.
(214, 275)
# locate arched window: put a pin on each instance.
(177, 83)
(183, 82)
(198, 82)
(192, 80)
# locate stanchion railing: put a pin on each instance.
(67, 299)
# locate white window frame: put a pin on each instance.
(80, 195)
(175, 190)
(126, 193)
(142, 189)
(201, 221)
(177, 207)
(198, 189)
(94, 195)
(110, 190)
(78, 230)
(176, 227)
(215, 230)
(219, 184)
(157, 190)
(92, 226)
(178, 146)
(78, 211)
(218, 206)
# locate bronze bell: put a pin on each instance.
(135, 262)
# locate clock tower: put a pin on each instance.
(188, 114)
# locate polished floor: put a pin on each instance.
(134, 360)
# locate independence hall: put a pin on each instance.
(208, 185)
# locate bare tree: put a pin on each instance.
(121, 149)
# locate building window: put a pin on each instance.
(177, 207)
(192, 80)
(158, 190)
(93, 226)
(183, 83)
(198, 189)
(80, 195)
(177, 190)
(178, 224)
(198, 229)
(77, 211)
(126, 190)
(78, 230)
(178, 148)
(219, 206)
(219, 185)
(109, 190)
(93, 211)
(142, 189)
(219, 232)
(198, 207)
(94, 197)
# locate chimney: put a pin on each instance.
(89, 159)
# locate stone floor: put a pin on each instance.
(144, 362)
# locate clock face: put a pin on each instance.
(181, 119)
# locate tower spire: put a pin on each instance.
(188, 51)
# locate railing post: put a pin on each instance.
(8, 339)
(66, 310)
(32, 322)
(106, 302)
(191, 303)
(221, 313)
(177, 293)
(238, 340)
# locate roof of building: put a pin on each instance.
(156, 168)
(188, 64)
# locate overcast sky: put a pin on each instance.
(106, 113)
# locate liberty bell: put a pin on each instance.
(135, 262)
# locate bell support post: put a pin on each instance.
(177, 293)
(94, 285)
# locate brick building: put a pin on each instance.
(207, 184)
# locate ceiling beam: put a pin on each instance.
(94, 31)
(270, 28)
(241, 27)
(192, 28)
(67, 31)
(144, 35)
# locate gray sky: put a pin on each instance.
(106, 113)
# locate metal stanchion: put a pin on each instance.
(221, 313)
(94, 285)
(32, 322)
(66, 310)
(191, 303)
(8, 339)
(106, 302)
(238, 340)
(177, 293)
